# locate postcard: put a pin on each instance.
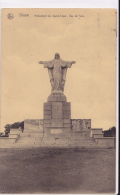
(58, 101)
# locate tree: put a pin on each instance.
(110, 133)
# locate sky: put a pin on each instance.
(87, 36)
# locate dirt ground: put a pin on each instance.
(50, 170)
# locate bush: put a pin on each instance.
(17, 125)
(110, 133)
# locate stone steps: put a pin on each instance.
(56, 145)
(82, 139)
(47, 139)
(70, 141)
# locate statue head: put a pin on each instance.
(57, 56)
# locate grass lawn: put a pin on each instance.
(60, 170)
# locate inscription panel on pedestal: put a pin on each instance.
(57, 111)
(55, 131)
(57, 122)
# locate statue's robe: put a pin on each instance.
(57, 69)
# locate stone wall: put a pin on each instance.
(77, 124)
(33, 124)
(81, 124)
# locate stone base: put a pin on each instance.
(57, 114)
(58, 137)
(57, 97)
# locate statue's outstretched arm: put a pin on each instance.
(47, 64)
(73, 62)
(41, 62)
(67, 64)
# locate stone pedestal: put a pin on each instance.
(57, 114)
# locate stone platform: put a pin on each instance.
(68, 139)
(39, 134)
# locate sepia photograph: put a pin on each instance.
(58, 122)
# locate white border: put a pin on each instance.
(73, 4)
(59, 3)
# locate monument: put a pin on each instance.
(57, 111)
(57, 129)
